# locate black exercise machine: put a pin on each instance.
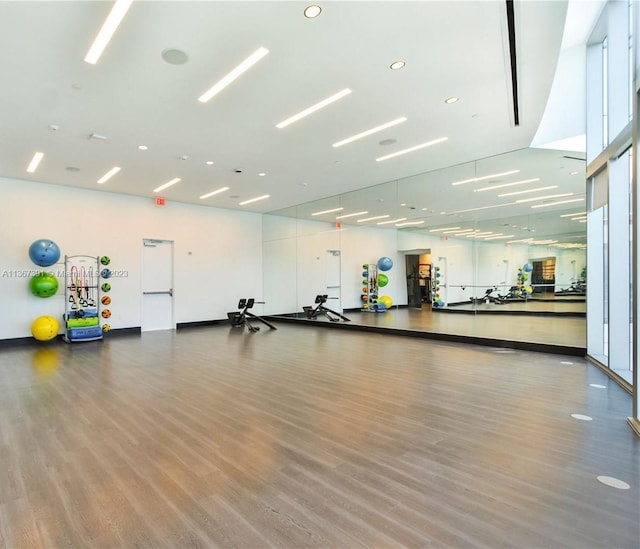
(320, 310)
(242, 318)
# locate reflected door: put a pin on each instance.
(414, 294)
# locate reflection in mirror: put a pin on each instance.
(502, 241)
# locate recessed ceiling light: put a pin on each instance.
(261, 174)
(450, 100)
(167, 184)
(255, 199)
(351, 215)
(482, 178)
(397, 65)
(209, 162)
(313, 108)
(574, 214)
(411, 149)
(312, 11)
(235, 73)
(175, 57)
(371, 131)
(33, 165)
(444, 229)
(221, 190)
(106, 32)
(142, 147)
(500, 237)
(113, 171)
(574, 173)
(328, 211)
(484, 208)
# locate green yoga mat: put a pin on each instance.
(82, 322)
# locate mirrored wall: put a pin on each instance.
(492, 248)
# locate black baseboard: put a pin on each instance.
(200, 324)
(31, 342)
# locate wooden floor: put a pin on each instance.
(303, 437)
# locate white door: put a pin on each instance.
(332, 277)
(157, 285)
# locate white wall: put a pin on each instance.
(217, 253)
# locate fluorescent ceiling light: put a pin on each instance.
(451, 100)
(392, 221)
(113, 171)
(235, 73)
(520, 240)
(372, 218)
(106, 32)
(443, 229)
(559, 202)
(371, 131)
(484, 177)
(143, 147)
(397, 65)
(255, 199)
(579, 218)
(351, 215)
(167, 184)
(546, 197)
(33, 165)
(457, 233)
(313, 108)
(411, 149)
(528, 191)
(409, 223)
(221, 190)
(484, 208)
(492, 187)
(582, 221)
(574, 214)
(328, 211)
(496, 237)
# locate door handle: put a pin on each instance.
(163, 292)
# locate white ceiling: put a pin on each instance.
(133, 97)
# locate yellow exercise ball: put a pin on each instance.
(45, 328)
(388, 302)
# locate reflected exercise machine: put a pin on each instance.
(320, 310)
(242, 318)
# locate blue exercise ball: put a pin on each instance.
(527, 267)
(385, 263)
(44, 252)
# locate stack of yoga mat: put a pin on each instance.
(83, 324)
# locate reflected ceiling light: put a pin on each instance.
(522, 182)
(351, 215)
(483, 208)
(328, 211)
(218, 191)
(574, 173)
(443, 229)
(579, 218)
(528, 191)
(559, 202)
(582, 221)
(392, 221)
(411, 149)
(313, 108)
(466, 231)
(546, 197)
(209, 162)
(106, 32)
(254, 199)
(484, 177)
(143, 147)
(520, 240)
(113, 171)
(33, 165)
(496, 237)
(371, 131)
(373, 218)
(450, 100)
(409, 223)
(261, 174)
(397, 65)
(235, 73)
(574, 214)
(312, 11)
(167, 184)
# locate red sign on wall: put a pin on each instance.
(160, 201)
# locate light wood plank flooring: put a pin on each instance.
(302, 437)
